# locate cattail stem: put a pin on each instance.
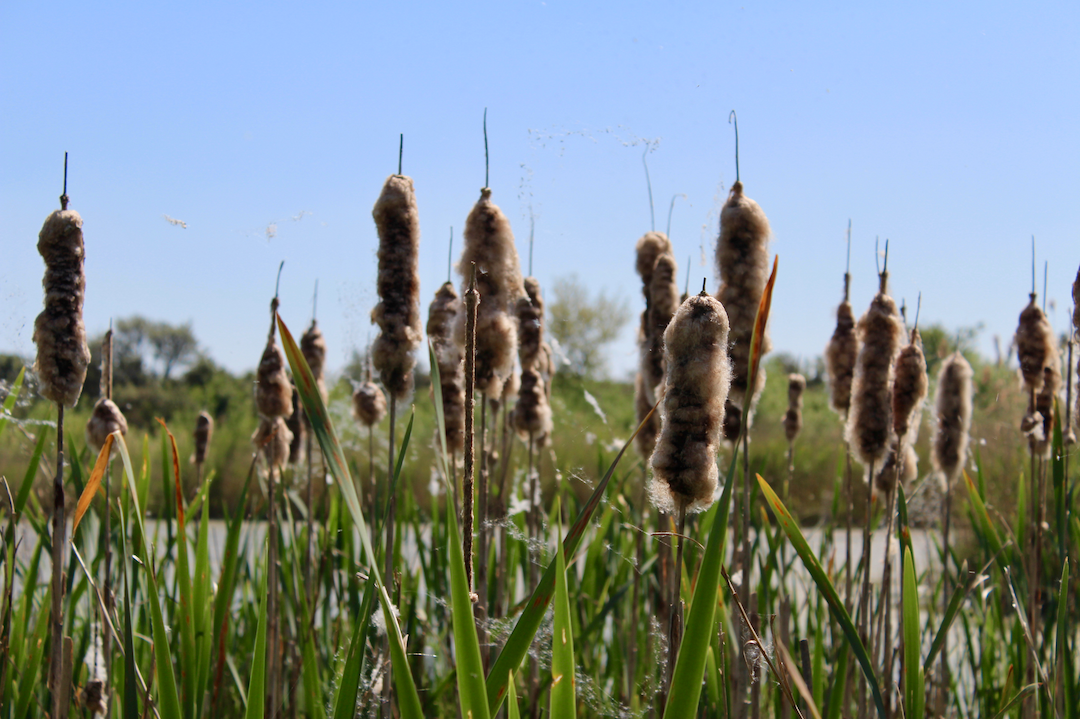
(371, 470)
(482, 534)
(106, 626)
(388, 561)
(272, 683)
(675, 628)
(472, 298)
(309, 500)
(850, 519)
(59, 530)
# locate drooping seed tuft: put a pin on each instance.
(840, 357)
(489, 243)
(398, 312)
(793, 420)
(442, 316)
(273, 438)
(59, 333)
(369, 404)
(952, 407)
(910, 386)
(104, 420)
(204, 430)
(869, 423)
(742, 259)
(273, 391)
(698, 374)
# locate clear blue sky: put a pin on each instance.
(951, 129)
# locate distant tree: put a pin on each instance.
(172, 345)
(585, 325)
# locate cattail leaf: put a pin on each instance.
(28, 683)
(821, 579)
(517, 644)
(349, 684)
(11, 399)
(92, 484)
(168, 700)
(256, 688)
(131, 694)
(201, 601)
(563, 699)
(31, 470)
(760, 322)
(1017, 698)
(986, 526)
(1065, 669)
(308, 389)
(838, 691)
(512, 711)
(951, 611)
(912, 671)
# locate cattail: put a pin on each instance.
(104, 420)
(532, 414)
(59, 333)
(489, 243)
(894, 470)
(742, 260)
(649, 248)
(369, 404)
(793, 421)
(529, 311)
(869, 425)
(273, 436)
(840, 357)
(273, 391)
(442, 316)
(1042, 435)
(662, 305)
(204, 430)
(398, 312)
(296, 426)
(313, 347)
(1035, 345)
(646, 438)
(952, 404)
(909, 386)
(698, 374)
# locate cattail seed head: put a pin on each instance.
(1035, 345)
(442, 316)
(646, 438)
(1042, 439)
(489, 243)
(840, 358)
(910, 385)
(1076, 304)
(698, 374)
(296, 426)
(869, 423)
(532, 414)
(273, 391)
(952, 406)
(369, 404)
(529, 311)
(104, 420)
(313, 347)
(204, 430)
(59, 333)
(793, 420)
(273, 438)
(663, 302)
(649, 247)
(894, 470)
(742, 259)
(398, 312)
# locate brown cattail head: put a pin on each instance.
(104, 420)
(649, 248)
(442, 316)
(840, 357)
(532, 414)
(697, 377)
(793, 417)
(869, 423)
(398, 312)
(273, 439)
(489, 243)
(313, 347)
(273, 391)
(369, 404)
(910, 385)
(204, 430)
(296, 426)
(646, 438)
(952, 405)
(1035, 345)
(662, 303)
(59, 333)
(1042, 437)
(529, 311)
(742, 259)
(901, 465)
(1076, 304)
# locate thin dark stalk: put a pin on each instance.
(675, 627)
(733, 118)
(864, 598)
(533, 521)
(273, 686)
(487, 163)
(388, 560)
(648, 184)
(59, 531)
(309, 499)
(482, 535)
(106, 625)
(450, 255)
(671, 208)
(400, 152)
(850, 488)
(472, 298)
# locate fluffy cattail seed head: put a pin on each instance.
(398, 312)
(273, 391)
(59, 333)
(442, 316)
(952, 406)
(649, 247)
(869, 425)
(793, 417)
(1035, 345)
(532, 414)
(646, 438)
(840, 357)
(273, 439)
(910, 385)
(742, 259)
(663, 302)
(697, 377)
(369, 404)
(204, 430)
(529, 311)
(104, 420)
(1042, 439)
(901, 465)
(296, 426)
(313, 347)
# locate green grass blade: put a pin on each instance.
(168, 700)
(838, 691)
(11, 399)
(512, 711)
(985, 525)
(201, 591)
(256, 688)
(28, 683)
(1065, 666)
(951, 612)
(349, 684)
(408, 700)
(563, 700)
(1020, 696)
(31, 470)
(131, 692)
(821, 579)
(913, 677)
